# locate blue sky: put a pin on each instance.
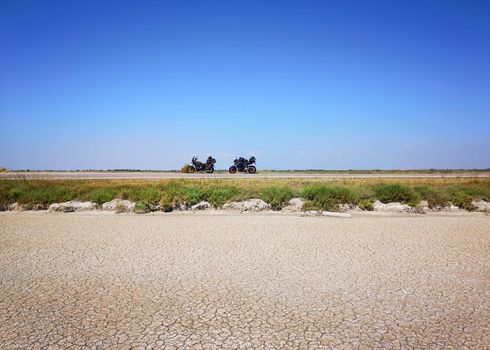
(300, 84)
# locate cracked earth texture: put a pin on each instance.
(76, 281)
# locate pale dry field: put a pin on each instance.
(204, 281)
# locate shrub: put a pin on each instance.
(4, 201)
(150, 195)
(366, 204)
(26, 194)
(435, 199)
(326, 197)
(123, 194)
(167, 203)
(474, 192)
(437, 202)
(387, 193)
(219, 196)
(276, 196)
(425, 192)
(192, 195)
(49, 195)
(362, 193)
(102, 196)
(15, 193)
(141, 208)
(2, 169)
(463, 200)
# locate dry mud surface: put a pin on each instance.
(76, 281)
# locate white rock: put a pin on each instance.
(294, 205)
(24, 207)
(451, 207)
(310, 213)
(180, 206)
(337, 215)
(72, 206)
(201, 205)
(481, 205)
(54, 207)
(15, 207)
(423, 207)
(122, 205)
(392, 207)
(248, 205)
(255, 205)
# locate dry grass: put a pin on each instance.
(219, 191)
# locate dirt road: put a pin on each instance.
(234, 281)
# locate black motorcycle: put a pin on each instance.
(200, 166)
(243, 165)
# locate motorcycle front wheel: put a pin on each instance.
(192, 169)
(210, 170)
(232, 169)
(252, 169)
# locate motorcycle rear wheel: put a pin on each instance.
(210, 170)
(252, 169)
(192, 169)
(232, 169)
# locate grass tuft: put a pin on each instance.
(150, 195)
(103, 195)
(167, 203)
(192, 195)
(276, 196)
(366, 204)
(322, 197)
(463, 200)
(141, 208)
(219, 196)
(397, 192)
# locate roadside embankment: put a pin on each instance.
(310, 197)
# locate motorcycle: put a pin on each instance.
(243, 165)
(200, 166)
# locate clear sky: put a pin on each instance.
(300, 84)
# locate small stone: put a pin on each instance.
(423, 207)
(334, 214)
(310, 213)
(119, 205)
(15, 207)
(201, 206)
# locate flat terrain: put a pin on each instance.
(204, 281)
(65, 175)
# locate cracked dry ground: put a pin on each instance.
(76, 281)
